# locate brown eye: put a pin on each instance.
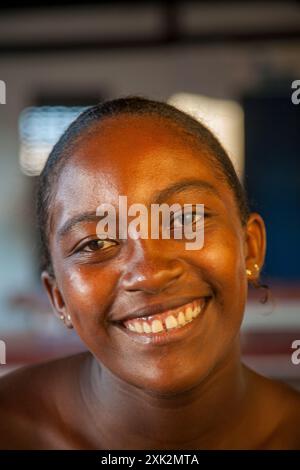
(96, 245)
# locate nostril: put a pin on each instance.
(151, 282)
(151, 274)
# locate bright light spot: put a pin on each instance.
(224, 118)
(40, 128)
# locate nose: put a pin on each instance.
(149, 270)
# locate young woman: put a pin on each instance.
(148, 381)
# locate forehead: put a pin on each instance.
(132, 156)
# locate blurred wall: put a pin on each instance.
(225, 71)
(220, 69)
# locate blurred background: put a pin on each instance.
(230, 63)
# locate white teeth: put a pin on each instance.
(138, 327)
(157, 326)
(189, 314)
(147, 327)
(171, 322)
(194, 313)
(181, 319)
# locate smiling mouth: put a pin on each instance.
(167, 322)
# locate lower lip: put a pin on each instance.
(167, 336)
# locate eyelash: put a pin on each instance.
(81, 249)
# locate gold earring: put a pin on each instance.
(248, 272)
(256, 267)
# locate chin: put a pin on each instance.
(166, 384)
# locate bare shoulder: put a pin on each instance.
(30, 401)
(289, 398)
(280, 406)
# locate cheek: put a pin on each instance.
(87, 293)
(221, 264)
(224, 262)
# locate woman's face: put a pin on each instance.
(99, 283)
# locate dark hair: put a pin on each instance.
(133, 105)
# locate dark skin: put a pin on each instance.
(193, 393)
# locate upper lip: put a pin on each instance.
(154, 309)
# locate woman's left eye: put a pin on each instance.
(186, 219)
(96, 245)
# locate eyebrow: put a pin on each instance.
(77, 219)
(182, 185)
(159, 197)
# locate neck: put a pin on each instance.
(204, 416)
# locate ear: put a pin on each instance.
(54, 294)
(256, 242)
